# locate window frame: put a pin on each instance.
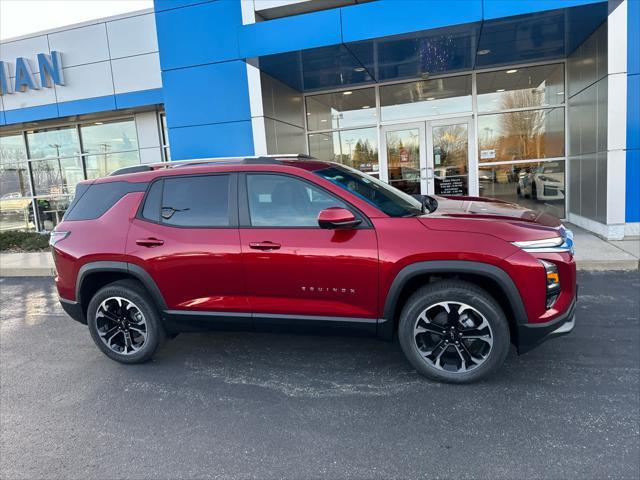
(245, 214)
(232, 202)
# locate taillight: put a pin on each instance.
(553, 283)
(57, 236)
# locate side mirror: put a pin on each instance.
(336, 217)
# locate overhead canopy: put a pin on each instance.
(491, 42)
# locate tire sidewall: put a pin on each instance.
(155, 332)
(454, 292)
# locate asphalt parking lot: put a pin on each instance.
(226, 405)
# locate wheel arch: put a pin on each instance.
(94, 275)
(492, 279)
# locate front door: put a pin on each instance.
(296, 270)
(428, 157)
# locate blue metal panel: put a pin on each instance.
(392, 17)
(139, 98)
(291, 33)
(206, 94)
(87, 105)
(633, 186)
(198, 34)
(218, 140)
(31, 114)
(3, 121)
(633, 112)
(507, 8)
(160, 5)
(633, 36)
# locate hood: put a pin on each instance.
(505, 220)
(491, 209)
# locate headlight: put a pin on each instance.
(561, 244)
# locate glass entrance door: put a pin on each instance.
(448, 157)
(406, 157)
(427, 157)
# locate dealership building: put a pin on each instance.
(529, 101)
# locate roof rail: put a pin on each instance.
(254, 160)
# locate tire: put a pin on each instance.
(481, 317)
(518, 192)
(534, 191)
(146, 332)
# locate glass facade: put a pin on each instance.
(39, 169)
(426, 98)
(515, 133)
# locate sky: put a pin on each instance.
(21, 17)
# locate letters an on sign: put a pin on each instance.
(51, 73)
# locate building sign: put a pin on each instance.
(50, 67)
(488, 154)
(452, 186)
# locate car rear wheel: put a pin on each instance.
(453, 331)
(124, 323)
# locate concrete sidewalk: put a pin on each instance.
(592, 253)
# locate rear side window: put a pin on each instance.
(194, 201)
(93, 201)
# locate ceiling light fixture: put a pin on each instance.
(484, 52)
(349, 92)
(560, 93)
(366, 106)
(359, 69)
(500, 90)
(513, 70)
(431, 98)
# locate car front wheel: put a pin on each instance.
(453, 331)
(124, 322)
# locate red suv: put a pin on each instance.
(292, 243)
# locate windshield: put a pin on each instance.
(390, 200)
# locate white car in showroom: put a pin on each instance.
(545, 182)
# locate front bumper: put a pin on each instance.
(73, 309)
(530, 335)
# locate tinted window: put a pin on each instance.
(196, 201)
(151, 208)
(94, 200)
(390, 200)
(282, 201)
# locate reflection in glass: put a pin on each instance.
(403, 159)
(520, 88)
(426, 98)
(102, 137)
(450, 159)
(524, 135)
(536, 185)
(355, 148)
(56, 176)
(51, 210)
(54, 142)
(103, 165)
(12, 148)
(342, 109)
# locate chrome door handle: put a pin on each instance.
(264, 246)
(149, 242)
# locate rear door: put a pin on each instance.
(297, 272)
(186, 237)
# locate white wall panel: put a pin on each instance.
(30, 98)
(141, 72)
(81, 45)
(147, 129)
(150, 155)
(86, 81)
(28, 48)
(132, 36)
